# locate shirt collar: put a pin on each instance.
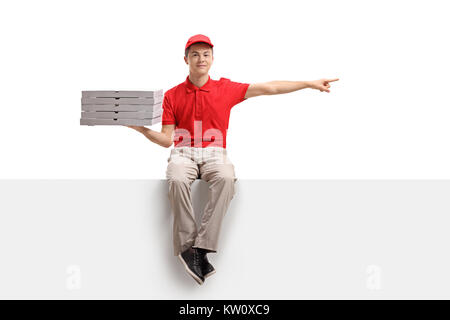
(190, 87)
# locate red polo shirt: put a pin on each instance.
(201, 115)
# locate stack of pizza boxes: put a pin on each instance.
(134, 108)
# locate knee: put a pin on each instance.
(177, 180)
(228, 183)
(226, 178)
(176, 174)
(226, 175)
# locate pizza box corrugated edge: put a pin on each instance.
(130, 122)
(121, 107)
(121, 93)
(120, 115)
(121, 100)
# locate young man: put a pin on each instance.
(195, 117)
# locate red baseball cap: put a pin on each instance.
(198, 38)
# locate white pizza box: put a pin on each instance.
(120, 114)
(121, 94)
(121, 100)
(122, 122)
(122, 107)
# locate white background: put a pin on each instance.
(387, 116)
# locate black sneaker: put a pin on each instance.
(207, 268)
(191, 258)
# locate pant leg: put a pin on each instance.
(181, 173)
(216, 169)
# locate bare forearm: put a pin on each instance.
(279, 87)
(156, 137)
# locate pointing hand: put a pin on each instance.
(322, 84)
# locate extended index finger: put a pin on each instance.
(331, 80)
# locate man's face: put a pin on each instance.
(199, 58)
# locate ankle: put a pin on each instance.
(201, 250)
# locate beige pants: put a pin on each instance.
(212, 165)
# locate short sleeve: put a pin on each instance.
(234, 91)
(168, 112)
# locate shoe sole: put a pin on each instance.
(209, 274)
(193, 275)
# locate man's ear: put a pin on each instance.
(185, 60)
